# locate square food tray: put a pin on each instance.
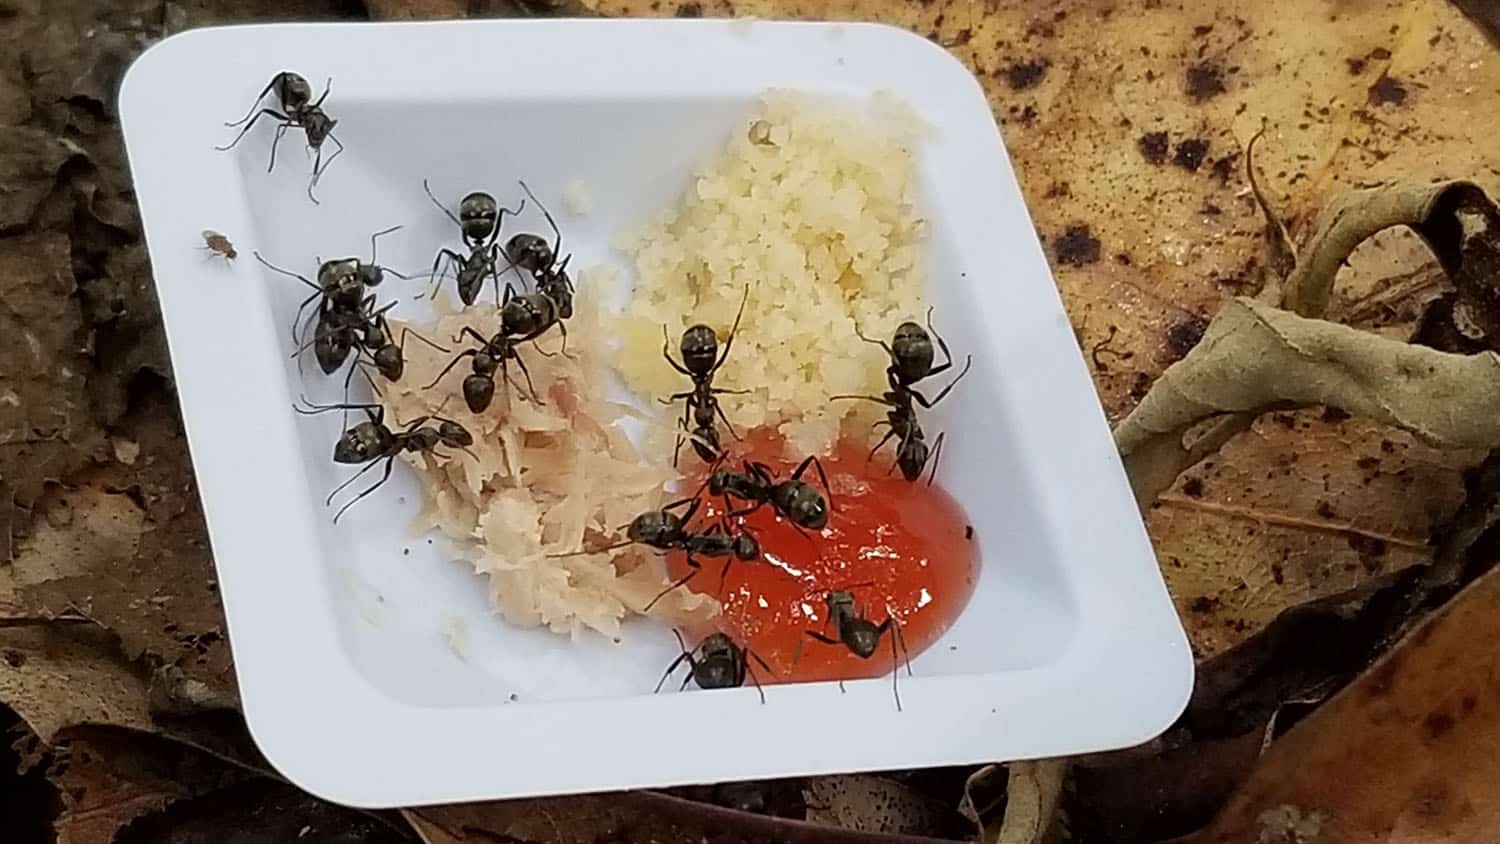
(342, 634)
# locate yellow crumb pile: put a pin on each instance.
(813, 208)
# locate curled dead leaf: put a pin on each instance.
(1255, 358)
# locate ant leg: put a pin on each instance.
(251, 113)
(928, 403)
(686, 415)
(345, 485)
(681, 581)
(883, 440)
(405, 330)
(248, 126)
(389, 462)
(720, 410)
(722, 391)
(733, 330)
(536, 399)
(433, 277)
(895, 661)
(822, 638)
(687, 515)
(556, 246)
(745, 665)
(937, 452)
(327, 86)
(881, 343)
(666, 345)
(320, 167)
(812, 460)
(289, 273)
(675, 397)
(562, 327)
(876, 399)
(297, 317)
(441, 207)
(452, 363)
(377, 235)
(275, 142)
(947, 355)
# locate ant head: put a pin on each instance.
(389, 361)
(477, 214)
(654, 528)
(360, 444)
(862, 637)
(523, 314)
(746, 548)
(453, 434)
(700, 349)
(479, 389)
(529, 251)
(804, 504)
(912, 456)
(718, 665)
(318, 126)
(912, 350)
(719, 480)
(370, 275)
(293, 90)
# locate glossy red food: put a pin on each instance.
(901, 548)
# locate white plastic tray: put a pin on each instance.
(1069, 645)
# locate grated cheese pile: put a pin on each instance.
(540, 480)
(813, 208)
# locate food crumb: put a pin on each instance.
(456, 634)
(576, 198)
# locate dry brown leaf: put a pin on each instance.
(264, 812)
(1408, 753)
(163, 601)
(55, 676)
(107, 779)
(28, 171)
(406, 10)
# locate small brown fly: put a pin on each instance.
(218, 244)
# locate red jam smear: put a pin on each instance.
(901, 548)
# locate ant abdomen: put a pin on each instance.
(479, 391)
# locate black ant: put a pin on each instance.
(532, 253)
(479, 219)
(911, 357)
(666, 531)
(376, 341)
(341, 296)
(297, 110)
(720, 664)
(793, 499)
(701, 358)
(492, 354)
(372, 440)
(862, 636)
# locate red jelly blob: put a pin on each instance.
(902, 548)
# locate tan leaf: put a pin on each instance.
(865, 803)
(55, 677)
